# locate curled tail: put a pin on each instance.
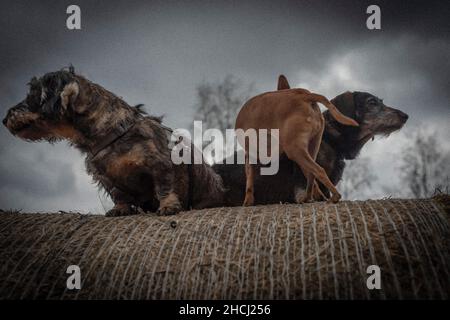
(335, 113)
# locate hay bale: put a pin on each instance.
(267, 252)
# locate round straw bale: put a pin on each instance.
(311, 251)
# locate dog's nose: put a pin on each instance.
(403, 115)
(5, 121)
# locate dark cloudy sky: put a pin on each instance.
(157, 52)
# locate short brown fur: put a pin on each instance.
(297, 116)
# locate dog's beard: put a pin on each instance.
(365, 138)
(383, 131)
(29, 134)
(32, 132)
(20, 127)
(388, 130)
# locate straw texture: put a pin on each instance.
(311, 251)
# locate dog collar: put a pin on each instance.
(118, 133)
(112, 137)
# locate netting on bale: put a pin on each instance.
(311, 251)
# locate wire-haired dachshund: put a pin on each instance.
(339, 143)
(127, 151)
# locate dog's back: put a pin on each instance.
(271, 109)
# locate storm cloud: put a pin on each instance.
(157, 52)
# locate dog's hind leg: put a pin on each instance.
(314, 147)
(312, 191)
(299, 152)
(311, 183)
(249, 182)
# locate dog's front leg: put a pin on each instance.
(119, 209)
(122, 205)
(168, 200)
(164, 188)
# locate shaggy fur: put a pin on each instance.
(339, 143)
(134, 166)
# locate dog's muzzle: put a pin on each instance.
(18, 118)
(403, 116)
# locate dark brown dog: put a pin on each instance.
(127, 151)
(339, 143)
(295, 113)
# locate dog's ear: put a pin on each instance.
(345, 104)
(33, 82)
(283, 83)
(69, 95)
(72, 69)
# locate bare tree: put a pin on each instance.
(425, 166)
(218, 104)
(357, 180)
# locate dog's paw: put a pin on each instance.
(169, 210)
(169, 205)
(248, 201)
(304, 199)
(335, 198)
(119, 211)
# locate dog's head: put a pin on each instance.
(372, 115)
(45, 112)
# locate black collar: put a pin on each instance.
(111, 137)
(118, 133)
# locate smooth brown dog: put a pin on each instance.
(295, 113)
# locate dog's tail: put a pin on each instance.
(283, 83)
(335, 113)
